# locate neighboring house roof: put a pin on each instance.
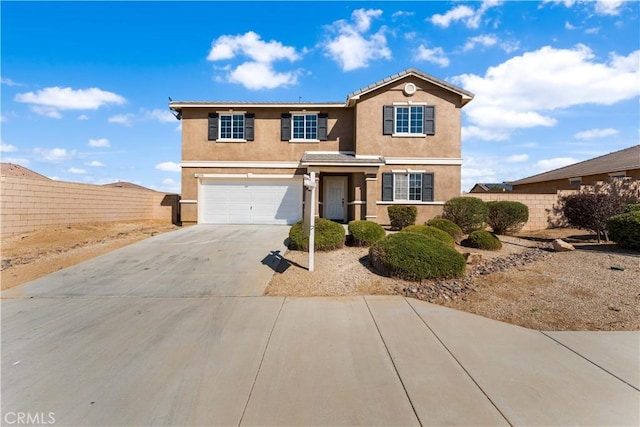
(311, 158)
(351, 98)
(466, 95)
(618, 161)
(485, 187)
(125, 184)
(10, 169)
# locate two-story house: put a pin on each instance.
(396, 141)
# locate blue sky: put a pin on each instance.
(85, 85)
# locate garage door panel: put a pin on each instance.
(250, 201)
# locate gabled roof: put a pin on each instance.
(618, 161)
(487, 186)
(126, 184)
(466, 95)
(10, 169)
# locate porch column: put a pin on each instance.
(371, 181)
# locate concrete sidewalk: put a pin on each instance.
(375, 360)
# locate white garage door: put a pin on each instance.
(277, 201)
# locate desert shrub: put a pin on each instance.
(402, 216)
(507, 217)
(365, 233)
(590, 211)
(412, 256)
(631, 207)
(481, 239)
(448, 226)
(431, 232)
(469, 213)
(624, 229)
(328, 235)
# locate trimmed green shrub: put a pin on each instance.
(507, 217)
(624, 229)
(481, 239)
(447, 226)
(469, 213)
(631, 207)
(402, 216)
(365, 233)
(328, 235)
(412, 256)
(432, 233)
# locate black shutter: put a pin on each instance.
(323, 126)
(213, 126)
(285, 127)
(387, 120)
(427, 187)
(430, 119)
(387, 187)
(248, 126)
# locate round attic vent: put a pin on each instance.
(409, 89)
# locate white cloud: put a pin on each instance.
(7, 148)
(568, 26)
(401, 13)
(7, 81)
(594, 30)
(250, 45)
(470, 17)
(350, 47)
(258, 75)
(169, 185)
(523, 91)
(16, 161)
(169, 167)
(257, 72)
(83, 117)
(3, 118)
(555, 163)
(595, 133)
(49, 101)
(510, 46)
(95, 164)
(485, 40)
(435, 55)
(608, 7)
(486, 134)
(76, 170)
(517, 158)
(122, 119)
(100, 142)
(53, 155)
(163, 116)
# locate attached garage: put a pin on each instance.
(249, 201)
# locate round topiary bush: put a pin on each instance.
(448, 226)
(507, 217)
(431, 232)
(401, 216)
(624, 229)
(365, 233)
(481, 239)
(469, 213)
(412, 256)
(328, 235)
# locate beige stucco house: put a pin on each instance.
(396, 141)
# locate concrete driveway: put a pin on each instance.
(200, 260)
(131, 338)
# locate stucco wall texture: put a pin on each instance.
(29, 204)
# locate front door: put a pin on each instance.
(335, 193)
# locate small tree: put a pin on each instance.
(590, 211)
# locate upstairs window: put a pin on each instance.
(231, 127)
(408, 120)
(305, 126)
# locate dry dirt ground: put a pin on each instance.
(27, 256)
(562, 291)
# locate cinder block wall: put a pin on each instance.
(28, 204)
(541, 212)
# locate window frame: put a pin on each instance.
(305, 115)
(409, 187)
(411, 121)
(241, 126)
